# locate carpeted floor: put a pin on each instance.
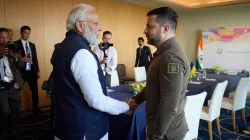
(227, 132)
(36, 127)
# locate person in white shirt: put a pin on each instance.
(111, 52)
(80, 104)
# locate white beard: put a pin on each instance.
(90, 36)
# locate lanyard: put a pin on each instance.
(4, 69)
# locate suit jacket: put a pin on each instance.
(142, 57)
(35, 67)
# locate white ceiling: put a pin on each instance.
(186, 4)
(155, 3)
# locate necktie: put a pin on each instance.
(27, 50)
(140, 51)
(28, 64)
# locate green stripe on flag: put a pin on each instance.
(198, 66)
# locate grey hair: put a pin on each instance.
(79, 12)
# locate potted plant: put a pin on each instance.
(137, 87)
(217, 69)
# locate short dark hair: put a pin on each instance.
(4, 30)
(165, 15)
(106, 32)
(25, 28)
(140, 38)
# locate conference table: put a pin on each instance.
(233, 80)
(125, 127)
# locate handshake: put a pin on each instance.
(132, 106)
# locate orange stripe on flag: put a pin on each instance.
(200, 43)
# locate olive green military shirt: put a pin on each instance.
(167, 80)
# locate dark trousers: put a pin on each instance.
(10, 106)
(31, 78)
(52, 114)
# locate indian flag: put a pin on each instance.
(199, 61)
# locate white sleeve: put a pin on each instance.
(84, 69)
(113, 59)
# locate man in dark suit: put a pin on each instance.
(30, 72)
(10, 86)
(143, 54)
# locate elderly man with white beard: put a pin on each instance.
(81, 106)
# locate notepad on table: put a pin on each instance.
(192, 82)
(232, 73)
(211, 80)
(110, 90)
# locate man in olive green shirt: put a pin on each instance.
(167, 78)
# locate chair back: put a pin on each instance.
(240, 96)
(114, 78)
(121, 70)
(140, 74)
(193, 107)
(216, 101)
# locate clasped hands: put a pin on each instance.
(132, 106)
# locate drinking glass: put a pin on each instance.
(204, 74)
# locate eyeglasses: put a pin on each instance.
(96, 23)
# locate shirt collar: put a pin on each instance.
(23, 41)
(165, 45)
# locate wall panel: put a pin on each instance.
(125, 36)
(90, 2)
(108, 16)
(2, 14)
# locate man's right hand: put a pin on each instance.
(4, 51)
(26, 59)
(103, 61)
(132, 105)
